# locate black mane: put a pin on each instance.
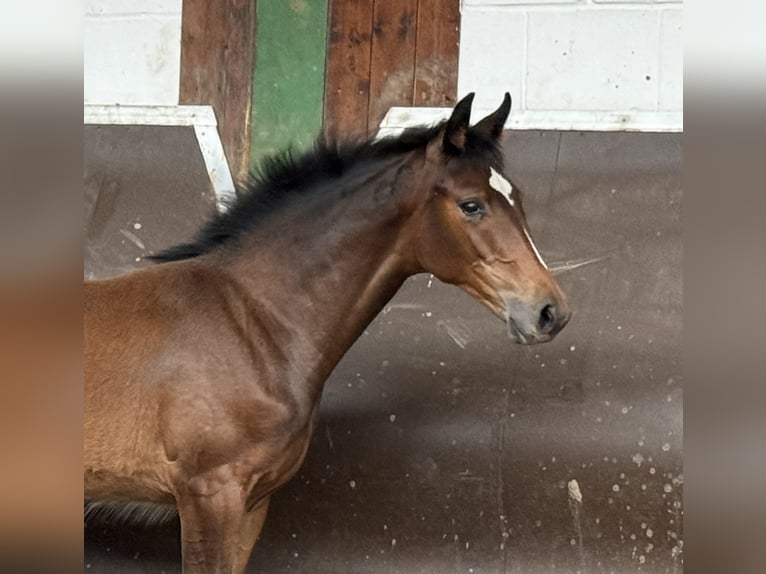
(287, 175)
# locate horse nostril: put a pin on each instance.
(547, 319)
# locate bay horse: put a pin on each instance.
(203, 374)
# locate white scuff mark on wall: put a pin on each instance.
(402, 306)
(575, 506)
(573, 489)
(571, 264)
(133, 238)
(457, 330)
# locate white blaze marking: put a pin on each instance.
(504, 188)
(534, 248)
(501, 185)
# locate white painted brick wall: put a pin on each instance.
(132, 51)
(576, 64)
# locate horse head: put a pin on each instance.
(470, 229)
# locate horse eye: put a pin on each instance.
(472, 207)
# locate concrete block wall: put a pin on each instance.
(132, 51)
(576, 64)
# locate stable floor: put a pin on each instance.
(441, 446)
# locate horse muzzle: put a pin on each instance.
(536, 323)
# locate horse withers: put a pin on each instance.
(203, 374)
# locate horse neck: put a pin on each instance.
(322, 268)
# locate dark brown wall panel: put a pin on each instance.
(217, 69)
(384, 53)
(436, 54)
(347, 80)
(392, 68)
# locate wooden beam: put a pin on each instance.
(217, 52)
(436, 58)
(392, 61)
(347, 76)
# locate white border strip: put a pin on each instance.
(216, 164)
(149, 115)
(399, 118)
(201, 118)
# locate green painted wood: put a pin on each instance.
(288, 83)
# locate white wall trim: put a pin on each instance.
(149, 115)
(399, 118)
(570, 6)
(201, 118)
(216, 164)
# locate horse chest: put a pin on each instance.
(286, 457)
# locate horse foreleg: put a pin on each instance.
(250, 530)
(210, 530)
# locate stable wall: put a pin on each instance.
(440, 446)
(132, 52)
(576, 64)
(569, 64)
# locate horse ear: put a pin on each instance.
(456, 129)
(493, 124)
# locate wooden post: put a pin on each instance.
(347, 77)
(384, 53)
(217, 53)
(436, 56)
